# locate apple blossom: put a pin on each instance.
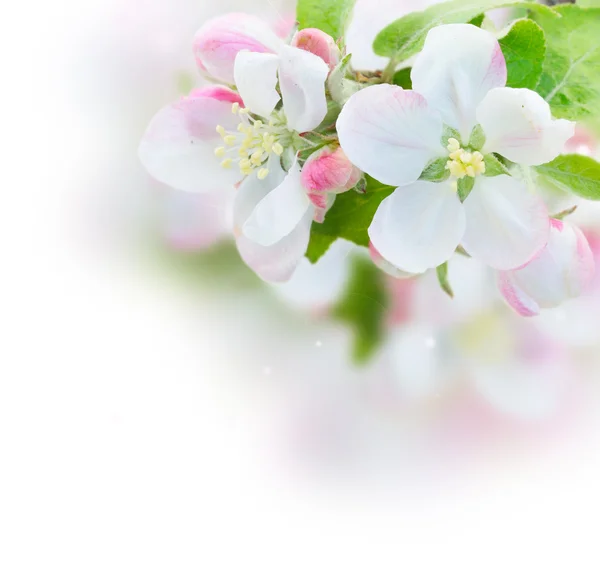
(459, 111)
(563, 269)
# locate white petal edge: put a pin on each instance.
(418, 226)
(390, 133)
(302, 77)
(518, 124)
(256, 78)
(507, 225)
(458, 65)
(277, 263)
(279, 212)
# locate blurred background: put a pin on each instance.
(159, 401)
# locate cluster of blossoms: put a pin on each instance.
(457, 148)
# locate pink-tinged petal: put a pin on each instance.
(317, 286)
(386, 266)
(457, 67)
(256, 80)
(275, 263)
(178, 145)
(329, 171)
(302, 77)
(507, 225)
(218, 41)
(564, 269)
(220, 93)
(418, 226)
(518, 124)
(318, 43)
(195, 221)
(390, 133)
(279, 212)
(582, 142)
(521, 302)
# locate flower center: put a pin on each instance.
(462, 162)
(250, 146)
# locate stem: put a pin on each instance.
(387, 76)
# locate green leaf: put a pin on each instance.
(588, 3)
(402, 78)
(569, 81)
(436, 171)
(575, 173)
(405, 37)
(330, 16)
(465, 186)
(348, 218)
(442, 275)
(493, 166)
(524, 48)
(363, 308)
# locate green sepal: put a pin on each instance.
(493, 166)
(442, 276)
(436, 171)
(477, 138)
(465, 186)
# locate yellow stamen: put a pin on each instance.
(262, 173)
(226, 163)
(220, 151)
(278, 149)
(229, 140)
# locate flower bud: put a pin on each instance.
(328, 171)
(219, 40)
(318, 43)
(563, 269)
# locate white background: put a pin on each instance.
(129, 426)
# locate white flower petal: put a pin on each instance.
(506, 223)
(178, 146)
(563, 269)
(279, 212)
(390, 133)
(256, 79)
(319, 285)
(198, 220)
(278, 262)
(458, 65)
(302, 78)
(418, 226)
(518, 124)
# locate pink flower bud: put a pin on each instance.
(318, 43)
(219, 40)
(328, 171)
(563, 269)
